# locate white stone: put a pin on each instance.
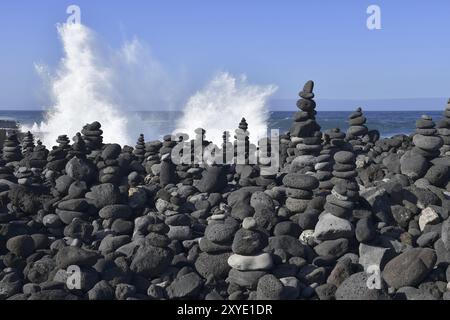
(331, 227)
(245, 263)
(306, 235)
(428, 216)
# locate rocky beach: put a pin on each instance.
(347, 215)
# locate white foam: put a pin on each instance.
(222, 104)
(94, 84)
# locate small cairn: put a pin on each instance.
(334, 140)
(109, 167)
(444, 130)
(57, 157)
(11, 149)
(248, 262)
(357, 130)
(27, 144)
(152, 155)
(215, 247)
(38, 158)
(92, 136)
(345, 193)
(426, 141)
(242, 140)
(299, 191)
(268, 164)
(305, 132)
(78, 148)
(139, 150)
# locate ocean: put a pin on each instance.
(388, 123)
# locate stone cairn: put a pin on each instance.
(305, 132)
(27, 143)
(30, 171)
(426, 141)
(248, 262)
(152, 156)
(11, 149)
(299, 191)
(268, 167)
(109, 167)
(444, 130)
(242, 139)
(57, 158)
(357, 130)
(334, 140)
(92, 136)
(139, 150)
(39, 155)
(78, 148)
(345, 193)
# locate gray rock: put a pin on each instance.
(101, 291)
(269, 288)
(332, 248)
(69, 256)
(331, 227)
(409, 268)
(21, 246)
(186, 286)
(355, 288)
(300, 181)
(213, 265)
(115, 211)
(150, 261)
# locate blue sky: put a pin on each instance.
(273, 42)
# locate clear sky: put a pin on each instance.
(274, 42)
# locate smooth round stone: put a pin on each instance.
(298, 193)
(115, 211)
(249, 223)
(341, 203)
(357, 131)
(426, 132)
(67, 216)
(358, 121)
(300, 181)
(296, 205)
(179, 233)
(21, 246)
(337, 211)
(52, 221)
(345, 175)
(344, 157)
(248, 242)
(413, 165)
(246, 279)
(429, 143)
(221, 232)
(424, 124)
(244, 263)
(310, 148)
(344, 167)
(211, 247)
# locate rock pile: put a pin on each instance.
(357, 130)
(139, 149)
(444, 130)
(27, 143)
(248, 262)
(92, 135)
(305, 132)
(299, 191)
(11, 149)
(137, 226)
